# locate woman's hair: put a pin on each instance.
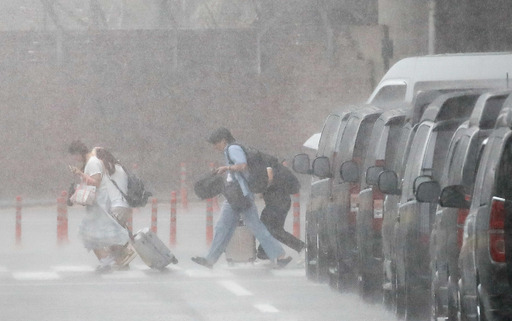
(108, 159)
(220, 134)
(78, 148)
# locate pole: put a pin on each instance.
(183, 180)
(296, 215)
(172, 237)
(154, 215)
(209, 221)
(62, 219)
(18, 220)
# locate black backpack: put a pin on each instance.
(286, 180)
(257, 163)
(209, 185)
(136, 194)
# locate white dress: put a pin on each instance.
(98, 230)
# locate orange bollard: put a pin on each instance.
(154, 214)
(172, 237)
(183, 182)
(62, 218)
(18, 220)
(209, 221)
(296, 215)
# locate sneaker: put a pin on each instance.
(202, 261)
(281, 263)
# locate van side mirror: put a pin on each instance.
(388, 183)
(301, 164)
(349, 172)
(372, 174)
(428, 192)
(454, 196)
(322, 167)
(418, 180)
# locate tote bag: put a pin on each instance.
(84, 195)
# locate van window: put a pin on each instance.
(389, 96)
(471, 162)
(377, 140)
(504, 177)
(393, 143)
(491, 111)
(484, 185)
(441, 150)
(346, 142)
(456, 161)
(406, 135)
(415, 161)
(329, 134)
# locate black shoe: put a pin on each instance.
(281, 263)
(174, 260)
(202, 261)
(262, 255)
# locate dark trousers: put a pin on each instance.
(277, 206)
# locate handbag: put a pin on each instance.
(209, 185)
(84, 194)
(235, 197)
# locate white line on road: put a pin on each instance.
(73, 268)
(32, 276)
(235, 288)
(121, 275)
(290, 272)
(203, 273)
(267, 308)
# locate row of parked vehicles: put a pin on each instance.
(410, 195)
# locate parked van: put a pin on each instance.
(414, 223)
(335, 217)
(382, 150)
(321, 189)
(407, 77)
(459, 176)
(485, 290)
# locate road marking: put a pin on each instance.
(35, 276)
(72, 268)
(266, 308)
(203, 273)
(290, 272)
(234, 288)
(117, 275)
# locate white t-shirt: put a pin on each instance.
(121, 179)
(95, 166)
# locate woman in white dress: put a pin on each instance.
(98, 231)
(117, 187)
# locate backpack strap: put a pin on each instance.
(230, 161)
(117, 186)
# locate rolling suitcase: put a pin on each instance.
(242, 246)
(152, 250)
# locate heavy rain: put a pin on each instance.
(393, 115)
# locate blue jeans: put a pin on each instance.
(225, 228)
